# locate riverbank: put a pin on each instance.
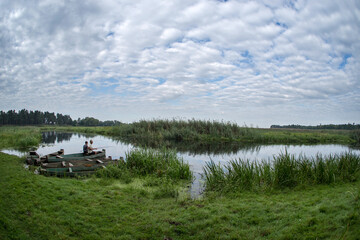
(38, 207)
(159, 132)
(19, 138)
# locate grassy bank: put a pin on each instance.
(159, 132)
(19, 138)
(285, 171)
(37, 207)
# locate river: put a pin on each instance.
(195, 155)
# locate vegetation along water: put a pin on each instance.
(145, 197)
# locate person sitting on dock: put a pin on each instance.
(86, 148)
(91, 148)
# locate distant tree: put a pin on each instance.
(25, 117)
(89, 121)
(348, 126)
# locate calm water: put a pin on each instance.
(195, 155)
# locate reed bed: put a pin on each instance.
(159, 162)
(285, 171)
(158, 132)
(355, 135)
(179, 130)
(143, 162)
(19, 137)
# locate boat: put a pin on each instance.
(67, 173)
(77, 163)
(75, 156)
(33, 158)
(58, 153)
(75, 167)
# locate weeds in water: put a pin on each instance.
(180, 130)
(286, 171)
(148, 162)
(162, 163)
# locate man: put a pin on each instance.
(91, 148)
(86, 148)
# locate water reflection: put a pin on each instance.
(193, 150)
(52, 137)
(198, 148)
(55, 137)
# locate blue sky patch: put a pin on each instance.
(283, 25)
(110, 34)
(102, 89)
(344, 61)
(217, 79)
(174, 101)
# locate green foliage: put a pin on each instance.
(20, 138)
(25, 117)
(285, 171)
(162, 163)
(179, 130)
(355, 135)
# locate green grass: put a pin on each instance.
(149, 162)
(38, 207)
(159, 162)
(355, 135)
(19, 138)
(285, 171)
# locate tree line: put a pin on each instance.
(348, 126)
(25, 117)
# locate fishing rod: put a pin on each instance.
(104, 147)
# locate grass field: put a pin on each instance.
(38, 207)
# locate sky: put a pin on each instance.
(255, 63)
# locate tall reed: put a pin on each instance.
(159, 162)
(285, 171)
(179, 130)
(20, 138)
(355, 135)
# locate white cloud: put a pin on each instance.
(259, 62)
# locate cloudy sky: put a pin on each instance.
(251, 62)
